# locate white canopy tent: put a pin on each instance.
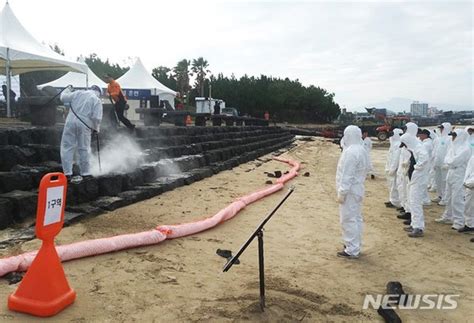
(77, 80)
(138, 78)
(21, 53)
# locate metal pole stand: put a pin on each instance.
(259, 234)
(261, 269)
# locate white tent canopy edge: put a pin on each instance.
(20, 52)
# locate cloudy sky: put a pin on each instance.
(364, 52)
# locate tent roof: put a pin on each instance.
(77, 80)
(26, 54)
(139, 78)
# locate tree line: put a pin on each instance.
(285, 99)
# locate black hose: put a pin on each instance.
(54, 97)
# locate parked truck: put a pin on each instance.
(206, 105)
(390, 123)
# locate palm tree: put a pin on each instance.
(181, 74)
(199, 67)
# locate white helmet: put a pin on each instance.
(97, 89)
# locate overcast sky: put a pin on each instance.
(364, 52)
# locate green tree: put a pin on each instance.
(199, 67)
(285, 99)
(100, 67)
(181, 74)
(164, 75)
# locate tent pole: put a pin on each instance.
(87, 81)
(9, 84)
(210, 98)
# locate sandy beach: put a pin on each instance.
(181, 280)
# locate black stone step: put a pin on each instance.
(210, 150)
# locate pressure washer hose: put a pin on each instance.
(54, 97)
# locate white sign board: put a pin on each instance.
(53, 207)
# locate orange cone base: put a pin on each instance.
(44, 291)
(39, 308)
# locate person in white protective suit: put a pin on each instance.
(456, 160)
(368, 148)
(470, 140)
(402, 183)
(424, 136)
(416, 184)
(441, 144)
(84, 117)
(391, 167)
(402, 176)
(469, 198)
(431, 181)
(411, 129)
(352, 169)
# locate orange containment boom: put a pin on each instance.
(161, 233)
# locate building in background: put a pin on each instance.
(434, 111)
(419, 109)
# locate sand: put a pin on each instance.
(182, 280)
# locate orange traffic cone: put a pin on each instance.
(44, 291)
(188, 120)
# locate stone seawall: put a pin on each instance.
(172, 157)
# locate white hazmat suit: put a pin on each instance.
(469, 197)
(470, 139)
(402, 178)
(350, 177)
(441, 145)
(412, 129)
(456, 159)
(391, 167)
(431, 181)
(402, 173)
(76, 135)
(428, 144)
(417, 183)
(368, 148)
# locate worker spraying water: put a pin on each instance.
(82, 122)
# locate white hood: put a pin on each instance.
(396, 134)
(395, 139)
(446, 129)
(410, 141)
(461, 138)
(352, 136)
(412, 129)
